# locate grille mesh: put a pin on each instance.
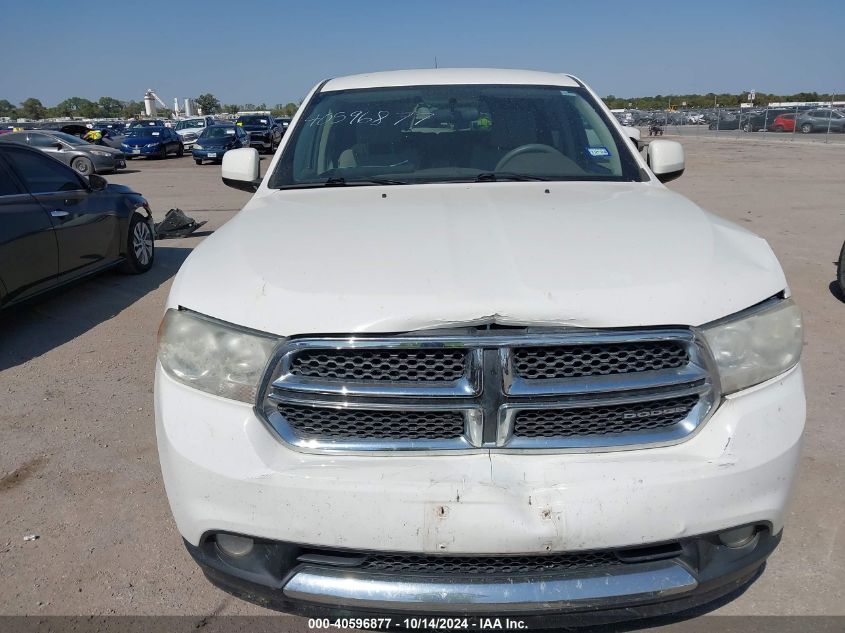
(604, 420)
(574, 361)
(441, 365)
(362, 424)
(476, 565)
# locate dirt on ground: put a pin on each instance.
(79, 473)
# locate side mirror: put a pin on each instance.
(666, 159)
(633, 133)
(240, 169)
(97, 183)
(58, 146)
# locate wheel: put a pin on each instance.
(140, 246)
(747, 127)
(162, 152)
(806, 128)
(82, 166)
(198, 161)
(181, 151)
(840, 270)
(777, 128)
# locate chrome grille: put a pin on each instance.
(313, 422)
(478, 565)
(575, 361)
(400, 365)
(477, 388)
(601, 420)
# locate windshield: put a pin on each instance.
(218, 131)
(70, 139)
(184, 125)
(254, 120)
(454, 133)
(144, 131)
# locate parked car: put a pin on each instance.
(783, 123)
(116, 128)
(264, 133)
(453, 357)
(152, 141)
(216, 140)
(746, 121)
(148, 123)
(82, 156)
(284, 122)
(190, 129)
(821, 120)
(840, 270)
(57, 226)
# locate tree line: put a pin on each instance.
(709, 100)
(111, 108)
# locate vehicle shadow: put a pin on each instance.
(46, 322)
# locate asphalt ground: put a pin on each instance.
(78, 463)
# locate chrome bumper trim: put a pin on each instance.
(637, 583)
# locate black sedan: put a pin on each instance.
(57, 226)
(264, 133)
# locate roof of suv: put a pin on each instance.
(440, 76)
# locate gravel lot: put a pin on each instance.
(78, 463)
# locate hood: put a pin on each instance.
(216, 142)
(99, 148)
(141, 140)
(191, 130)
(347, 259)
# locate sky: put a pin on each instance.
(274, 52)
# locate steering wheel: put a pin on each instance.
(530, 148)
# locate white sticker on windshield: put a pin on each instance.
(598, 152)
(232, 132)
(156, 133)
(264, 121)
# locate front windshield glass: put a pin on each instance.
(69, 138)
(145, 131)
(454, 133)
(190, 123)
(254, 120)
(218, 131)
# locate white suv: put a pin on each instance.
(463, 354)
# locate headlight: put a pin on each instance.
(197, 146)
(754, 348)
(152, 145)
(213, 356)
(98, 153)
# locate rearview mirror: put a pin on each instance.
(240, 169)
(633, 133)
(666, 159)
(97, 183)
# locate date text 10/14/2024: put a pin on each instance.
(444, 624)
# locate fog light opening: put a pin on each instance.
(235, 546)
(738, 537)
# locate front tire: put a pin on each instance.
(840, 270)
(140, 246)
(82, 166)
(198, 161)
(806, 128)
(777, 128)
(181, 151)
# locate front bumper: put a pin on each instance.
(206, 154)
(260, 141)
(141, 151)
(225, 471)
(277, 579)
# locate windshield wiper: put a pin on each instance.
(493, 176)
(340, 181)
